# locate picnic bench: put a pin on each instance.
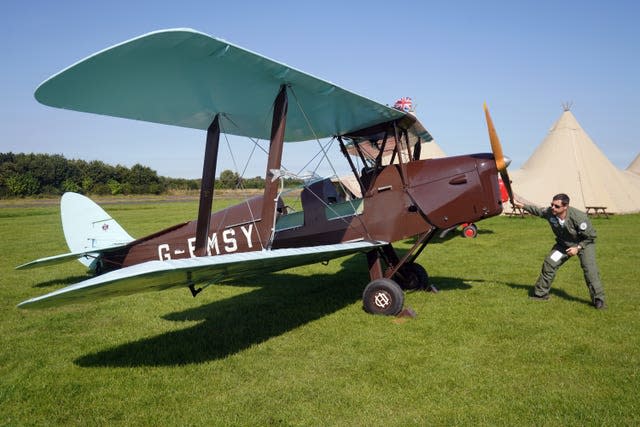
(597, 210)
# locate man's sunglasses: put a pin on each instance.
(556, 206)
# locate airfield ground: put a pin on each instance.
(295, 348)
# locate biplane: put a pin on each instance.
(182, 77)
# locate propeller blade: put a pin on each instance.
(496, 147)
(507, 184)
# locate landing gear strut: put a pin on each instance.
(412, 276)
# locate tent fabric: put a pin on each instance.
(428, 150)
(568, 161)
(635, 165)
(431, 150)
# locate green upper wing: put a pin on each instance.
(184, 78)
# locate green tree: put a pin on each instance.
(49, 170)
(229, 179)
(87, 185)
(99, 172)
(144, 180)
(22, 185)
(255, 182)
(28, 174)
(71, 185)
(114, 186)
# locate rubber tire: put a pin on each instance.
(414, 277)
(470, 231)
(99, 268)
(383, 296)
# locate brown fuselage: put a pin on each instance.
(400, 201)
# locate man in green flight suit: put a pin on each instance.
(574, 236)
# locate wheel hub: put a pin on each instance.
(382, 300)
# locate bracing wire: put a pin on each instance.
(239, 184)
(322, 154)
(329, 162)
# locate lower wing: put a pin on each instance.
(160, 275)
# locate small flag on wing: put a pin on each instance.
(404, 104)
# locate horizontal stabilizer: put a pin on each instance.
(160, 275)
(59, 259)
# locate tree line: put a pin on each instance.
(23, 175)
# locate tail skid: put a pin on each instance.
(88, 230)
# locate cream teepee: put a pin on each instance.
(568, 161)
(635, 165)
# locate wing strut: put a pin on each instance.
(207, 186)
(271, 185)
(397, 134)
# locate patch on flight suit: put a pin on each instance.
(583, 226)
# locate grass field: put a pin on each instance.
(295, 348)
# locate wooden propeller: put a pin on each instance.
(496, 148)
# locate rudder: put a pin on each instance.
(87, 226)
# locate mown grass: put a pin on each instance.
(295, 348)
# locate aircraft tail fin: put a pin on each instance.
(88, 227)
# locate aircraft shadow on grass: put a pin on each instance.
(64, 281)
(283, 302)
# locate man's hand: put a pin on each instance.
(573, 250)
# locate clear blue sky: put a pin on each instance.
(524, 58)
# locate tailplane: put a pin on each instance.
(88, 230)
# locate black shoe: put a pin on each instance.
(599, 304)
(540, 297)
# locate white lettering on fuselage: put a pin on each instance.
(247, 234)
(229, 237)
(213, 244)
(164, 252)
(191, 244)
(228, 243)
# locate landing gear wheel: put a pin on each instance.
(383, 296)
(412, 276)
(470, 231)
(99, 268)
